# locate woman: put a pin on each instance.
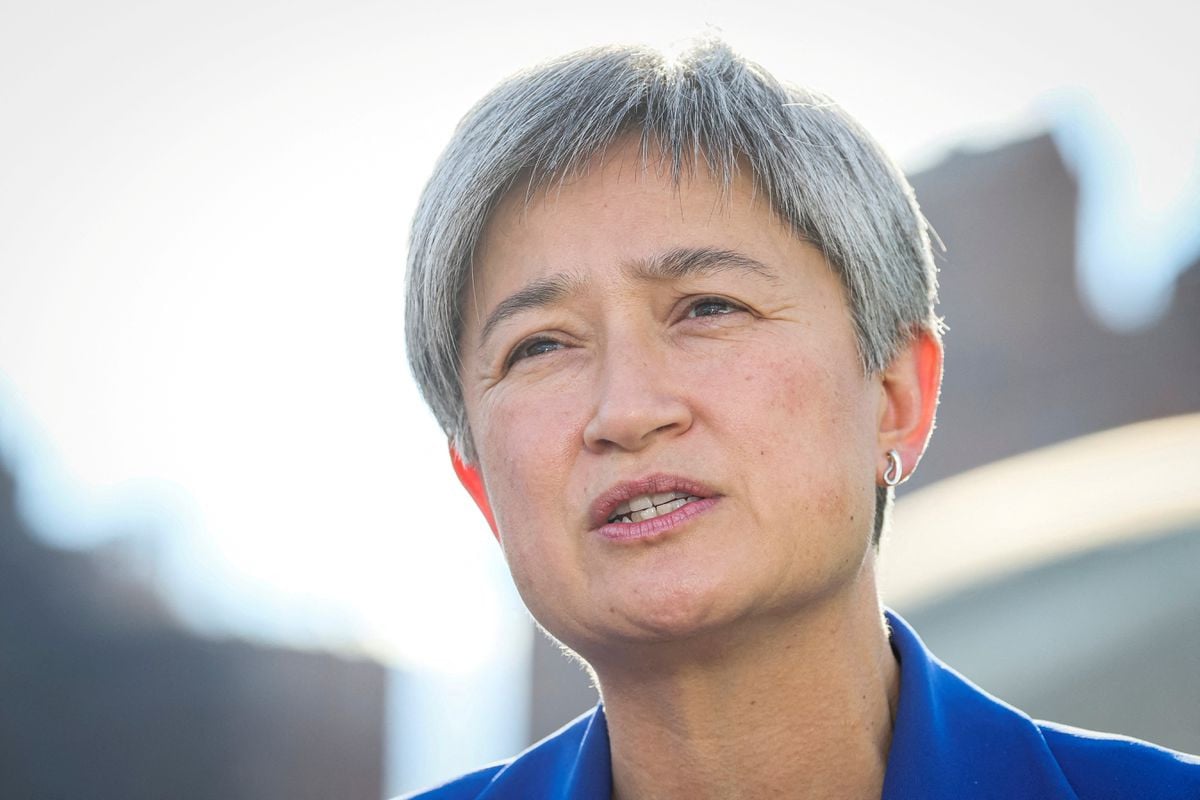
(678, 322)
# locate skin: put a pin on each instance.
(742, 653)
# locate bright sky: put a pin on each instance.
(205, 207)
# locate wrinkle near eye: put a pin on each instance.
(487, 376)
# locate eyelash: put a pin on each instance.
(521, 351)
(714, 301)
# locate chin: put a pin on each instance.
(677, 613)
(675, 617)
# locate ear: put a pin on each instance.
(910, 388)
(472, 481)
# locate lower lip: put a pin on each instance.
(654, 528)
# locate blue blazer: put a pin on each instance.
(951, 741)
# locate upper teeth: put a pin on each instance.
(649, 506)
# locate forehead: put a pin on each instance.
(624, 207)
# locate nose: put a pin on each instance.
(638, 402)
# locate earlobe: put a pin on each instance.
(911, 384)
(472, 481)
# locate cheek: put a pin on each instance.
(525, 446)
(803, 418)
(528, 451)
(765, 400)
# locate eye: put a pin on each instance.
(531, 348)
(712, 307)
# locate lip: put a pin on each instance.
(604, 505)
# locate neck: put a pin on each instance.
(801, 709)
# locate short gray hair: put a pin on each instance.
(821, 172)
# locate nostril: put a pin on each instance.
(633, 424)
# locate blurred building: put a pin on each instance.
(103, 695)
(1027, 365)
(1067, 590)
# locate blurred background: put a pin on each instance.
(232, 560)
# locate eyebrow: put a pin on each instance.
(683, 262)
(540, 293)
(680, 262)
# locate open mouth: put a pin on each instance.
(649, 506)
(640, 507)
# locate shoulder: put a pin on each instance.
(1100, 766)
(953, 740)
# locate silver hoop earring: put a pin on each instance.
(895, 469)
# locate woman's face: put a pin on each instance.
(627, 343)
